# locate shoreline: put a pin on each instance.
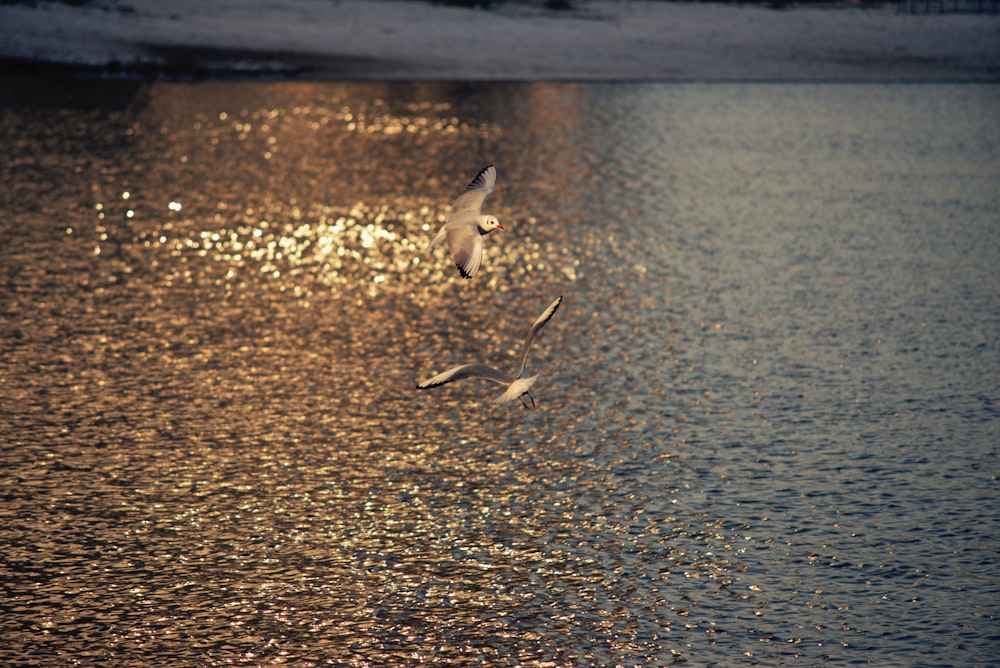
(407, 40)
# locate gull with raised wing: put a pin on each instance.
(466, 225)
(517, 386)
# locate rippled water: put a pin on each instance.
(767, 422)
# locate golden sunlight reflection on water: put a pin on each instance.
(320, 230)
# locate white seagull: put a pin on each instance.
(517, 386)
(465, 226)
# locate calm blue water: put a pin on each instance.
(767, 422)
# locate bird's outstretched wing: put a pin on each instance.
(467, 371)
(471, 200)
(546, 315)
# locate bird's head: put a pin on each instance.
(489, 223)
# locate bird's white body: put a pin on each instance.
(517, 386)
(466, 225)
(516, 390)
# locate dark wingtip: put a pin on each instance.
(429, 387)
(474, 183)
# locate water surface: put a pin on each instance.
(767, 421)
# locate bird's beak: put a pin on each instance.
(499, 226)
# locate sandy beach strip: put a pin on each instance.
(592, 40)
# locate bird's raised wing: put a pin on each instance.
(546, 315)
(471, 200)
(467, 371)
(466, 245)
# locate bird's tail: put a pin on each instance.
(438, 238)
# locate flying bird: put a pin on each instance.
(517, 386)
(466, 225)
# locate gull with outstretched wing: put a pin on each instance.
(466, 225)
(517, 386)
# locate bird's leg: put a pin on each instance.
(525, 403)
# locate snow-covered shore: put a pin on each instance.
(410, 40)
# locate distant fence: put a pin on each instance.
(902, 6)
(948, 6)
